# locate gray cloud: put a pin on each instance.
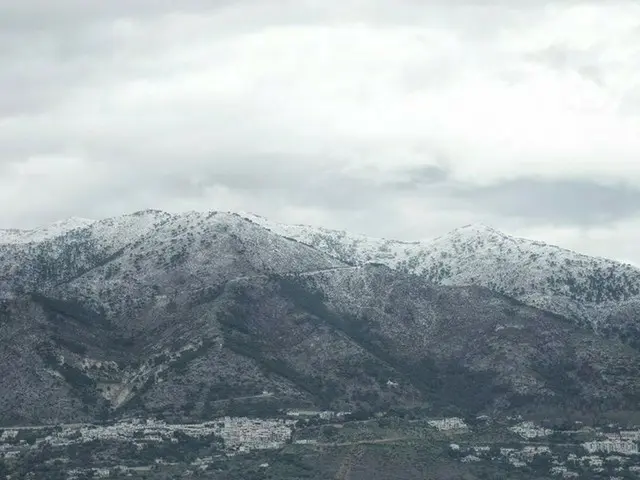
(43, 15)
(422, 177)
(563, 202)
(585, 61)
(397, 118)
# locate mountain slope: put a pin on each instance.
(198, 245)
(587, 289)
(197, 315)
(46, 257)
(190, 256)
(366, 338)
(46, 347)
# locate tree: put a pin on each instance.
(329, 431)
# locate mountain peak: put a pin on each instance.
(481, 229)
(478, 227)
(476, 233)
(72, 222)
(148, 211)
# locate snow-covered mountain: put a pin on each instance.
(591, 290)
(147, 312)
(148, 252)
(16, 236)
(588, 289)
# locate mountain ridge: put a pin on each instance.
(181, 315)
(563, 281)
(9, 236)
(585, 288)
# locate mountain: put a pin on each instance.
(594, 292)
(204, 247)
(56, 229)
(193, 316)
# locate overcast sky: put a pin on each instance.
(398, 118)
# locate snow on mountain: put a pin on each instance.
(588, 289)
(151, 255)
(117, 232)
(546, 276)
(17, 236)
(346, 246)
(54, 254)
(221, 285)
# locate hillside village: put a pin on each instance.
(521, 446)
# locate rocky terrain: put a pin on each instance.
(187, 319)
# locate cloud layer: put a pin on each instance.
(398, 118)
